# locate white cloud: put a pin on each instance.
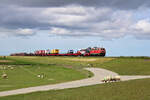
(100, 22)
(60, 31)
(143, 26)
(17, 32)
(74, 20)
(141, 29)
(25, 32)
(73, 15)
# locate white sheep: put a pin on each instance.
(4, 75)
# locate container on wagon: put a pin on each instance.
(55, 51)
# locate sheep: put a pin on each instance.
(117, 78)
(40, 76)
(4, 76)
(111, 79)
(11, 68)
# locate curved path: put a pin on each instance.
(99, 74)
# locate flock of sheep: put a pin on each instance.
(4, 75)
(106, 79)
(111, 79)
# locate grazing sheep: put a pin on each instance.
(4, 76)
(111, 79)
(40, 76)
(108, 78)
(117, 78)
(89, 65)
(11, 68)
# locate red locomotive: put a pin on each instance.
(95, 51)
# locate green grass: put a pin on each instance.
(25, 72)
(26, 76)
(54, 60)
(129, 90)
(62, 69)
(128, 66)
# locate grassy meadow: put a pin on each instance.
(23, 72)
(62, 69)
(129, 90)
(121, 65)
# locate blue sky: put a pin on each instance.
(122, 27)
(127, 46)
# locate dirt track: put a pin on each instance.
(99, 74)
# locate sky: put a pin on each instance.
(120, 26)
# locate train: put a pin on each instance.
(90, 51)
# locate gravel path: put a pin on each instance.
(99, 74)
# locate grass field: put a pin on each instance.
(22, 73)
(128, 66)
(121, 65)
(71, 68)
(129, 90)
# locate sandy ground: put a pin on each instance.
(99, 74)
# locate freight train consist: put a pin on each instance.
(95, 51)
